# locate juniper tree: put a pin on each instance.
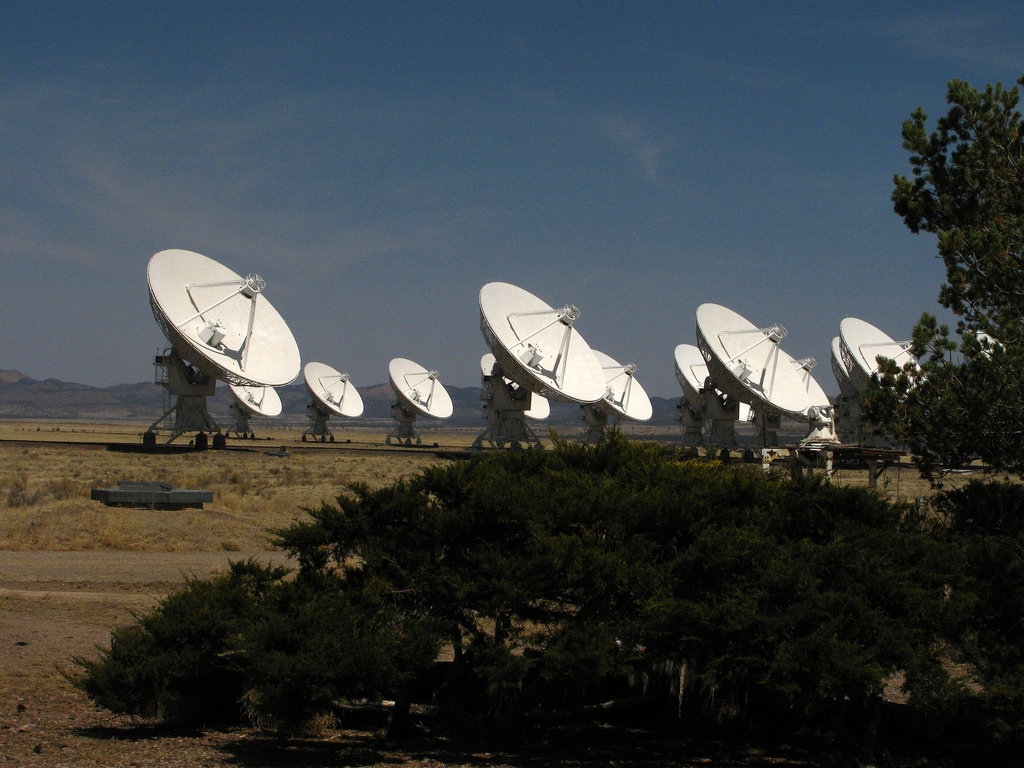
(966, 187)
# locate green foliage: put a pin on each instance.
(182, 660)
(562, 578)
(313, 640)
(552, 573)
(255, 644)
(966, 188)
(985, 523)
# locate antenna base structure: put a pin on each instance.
(404, 432)
(241, 426)
(318, 430)
(505, 407)
(595, 420)
(721, 412)
(822, 432)
(705, 415)
(847, 415)
(691, 423)
(767, 424)
(190, 388)
(713, 425)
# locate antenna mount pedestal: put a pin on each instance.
(404, 433)
(241, 427)
(318, 429)
(505, 407)
(190, 388)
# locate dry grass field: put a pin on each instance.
(45, 489)
(72, 568)
(47, 472)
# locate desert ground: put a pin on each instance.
(72, 568)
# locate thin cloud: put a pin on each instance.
(965, 39)
(638, 141)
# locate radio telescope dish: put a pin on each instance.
(537, 346)
(691, 373)
(252, 401)
(847, 408)
(419, 391)
(331, 393)
(220, 326)
(846, 388)
(705, 415)
(221, 322)
(748, 364)
(623, 398)
(257, 401)
(623, 394)
(507, 406)
(861, 344)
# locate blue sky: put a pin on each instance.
(377, 163)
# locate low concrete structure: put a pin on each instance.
(156, 495)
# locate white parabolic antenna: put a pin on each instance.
(861, 344)
(747, 363)
(691, 373)
(708, 417)
(259, 401)
(332, 390)
(219, 321)
(419, 389)
(846, 388)
(539, 408)
(623, 394)
(538, 347)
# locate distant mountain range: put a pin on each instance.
(27, 398)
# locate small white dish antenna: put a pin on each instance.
(624, 398)
(419, 392)
(220, 326)
(705, 415)
(747, 363)
(252, 401)
(507, 406)
(861, 344)
(846, 388)
(331, 393)
(537, 346)
(691, 373)
(847, 406)
(257, 401)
